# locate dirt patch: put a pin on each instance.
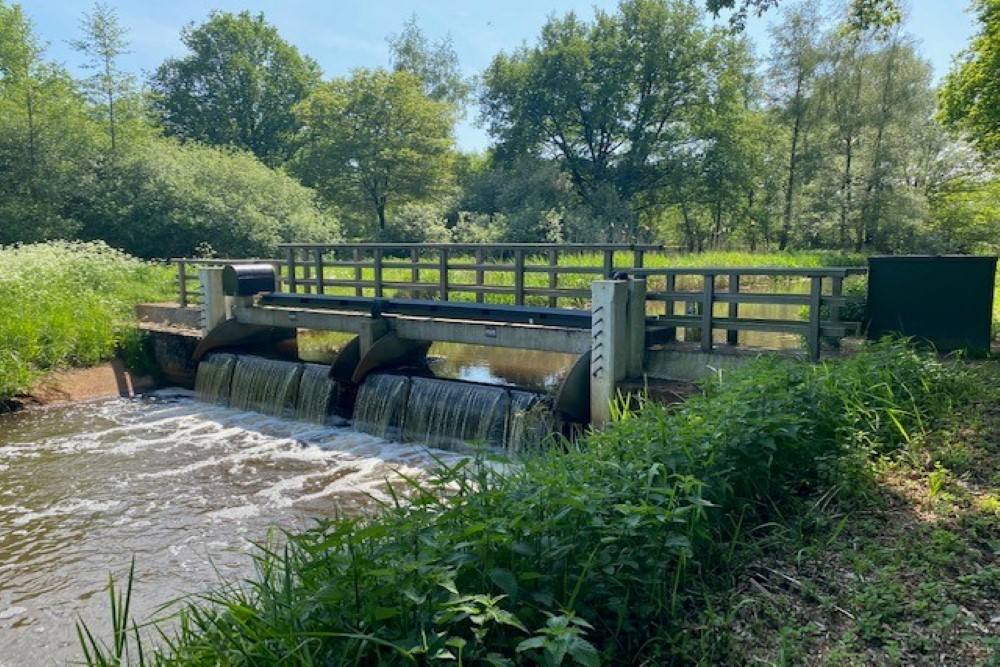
(79, 384)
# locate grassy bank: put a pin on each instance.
(67, 304)
(639, 545)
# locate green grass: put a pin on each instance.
(623, 548)
(68, 304)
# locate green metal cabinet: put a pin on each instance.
(946, 301)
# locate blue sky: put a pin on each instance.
(344, 35)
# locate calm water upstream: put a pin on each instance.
(185, 486)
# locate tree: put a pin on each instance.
(104, 41)
(237, 88)
(970, 98)
(876, 15)
(46, 137)
(375, 141)
(613, 101)
(436, 66)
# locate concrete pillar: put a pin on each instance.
(636, 326)
(213, 300)
(371, 330)
(609, 345)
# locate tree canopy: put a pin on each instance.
(375, 140)
(236, 88)
(970, 98)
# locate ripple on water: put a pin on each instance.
(185, 487)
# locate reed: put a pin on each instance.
(585, 553)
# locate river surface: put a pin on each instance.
(185, 487)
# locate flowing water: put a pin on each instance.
(184, 486)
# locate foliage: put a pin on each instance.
(589, 553)
(46, 137)
(67, 304)
(969, 102)
(613, 100)
(861, 14)
(236, 88)
(375, 142)
(435, 66)
(165, 199)
(110, 89)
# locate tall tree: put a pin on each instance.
(46, 138)
(614, 101)
(435, 65)
(970, 97)
(236, 88)
(795, 61)
(375, 140)
(104, 42)
(879, 15)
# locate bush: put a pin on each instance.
(165, 199)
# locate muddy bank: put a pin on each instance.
(79, 384)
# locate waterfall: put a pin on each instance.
(316, 389)
(214, 378)
(263, 385)
(379, 406)
(529, 422)
(442, 413)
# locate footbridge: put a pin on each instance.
(627, 311)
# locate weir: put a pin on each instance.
(445, 414)
(623, 320)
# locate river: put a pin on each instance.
(185, 487)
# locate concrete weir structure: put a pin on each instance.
(627, 322)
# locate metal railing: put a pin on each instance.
(188, 287)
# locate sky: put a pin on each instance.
(342, 36)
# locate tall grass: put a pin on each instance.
(67, 304)
(587, 553)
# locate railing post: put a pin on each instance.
(377, 272)
(358, 272)
(292, 281)
(637, 257)
(707, 299)
(733, 335)
(609, 263)
(443, 273)
(480, 274)
(415, 260)
(307, 272)
(635, 326)
(607, 345)
(519, 277)
(553, 276)
(668, 305)
(320, 287)
(836, 291)
(182, 283)
(815, 300)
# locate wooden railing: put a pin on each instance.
(460, 271)
(823, 303)
(560, 275)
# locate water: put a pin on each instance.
(185, 486)
(447, 414)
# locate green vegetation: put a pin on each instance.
(68, 304)
(634, 545)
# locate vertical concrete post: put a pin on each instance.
(636, 326)
(371, 330)
(213, 299)
(608, 345)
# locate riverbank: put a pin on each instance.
(69, 385)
